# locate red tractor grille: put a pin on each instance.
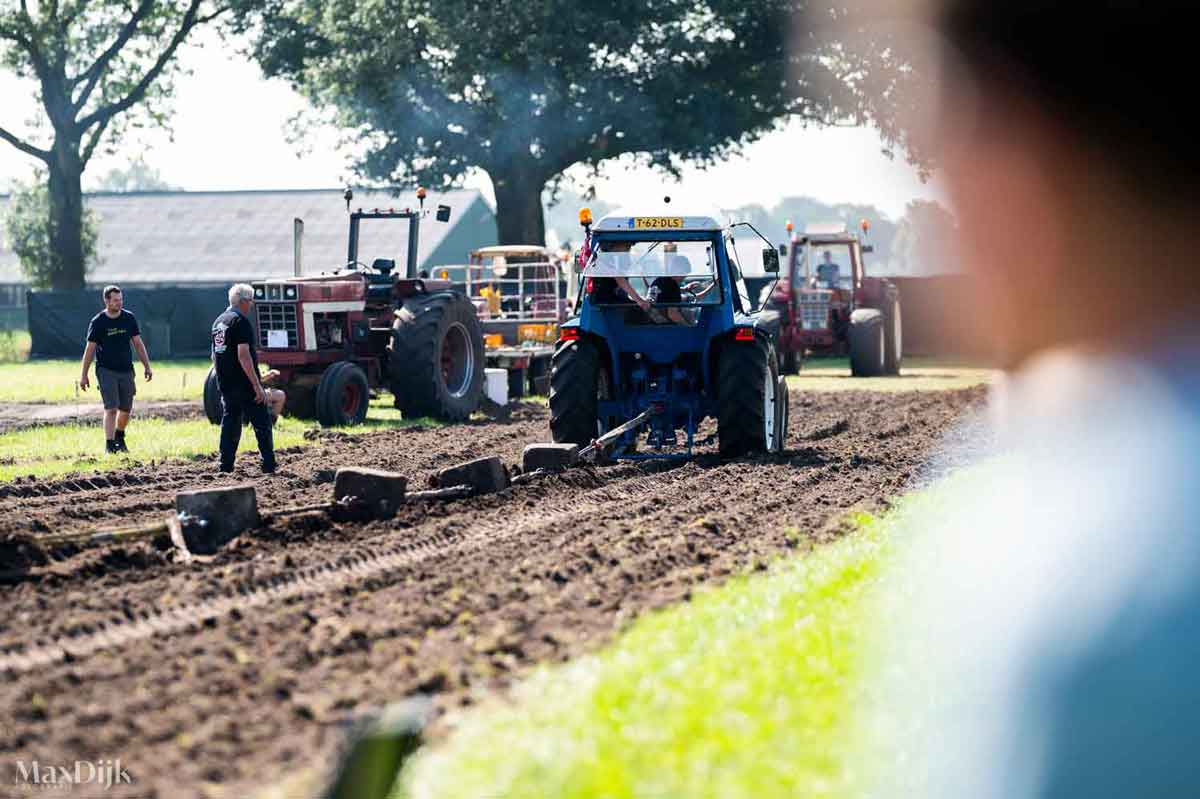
(814, 309)
(275, 317)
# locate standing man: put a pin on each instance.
(109, 336)
(242, 394)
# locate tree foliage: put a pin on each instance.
(138, 176)
(100, 67)
(524, 90)
(28, 228)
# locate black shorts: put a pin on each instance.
(116, 389)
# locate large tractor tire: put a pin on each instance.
(213, 408)
(576, 382)
(893, 341)
(867, 345)
(342, 395)
(791, 363)
(748, 396)
(435, 361)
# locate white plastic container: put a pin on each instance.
(495, 385)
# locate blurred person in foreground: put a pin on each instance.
(1050, 642)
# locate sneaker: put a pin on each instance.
(119, 441)
(225, 469)
(268, 469)
(110, 447)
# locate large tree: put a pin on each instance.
(525, 89)
(99, 66)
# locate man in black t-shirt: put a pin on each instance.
(109, 337)
(235, 358)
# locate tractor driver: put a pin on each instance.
(828, 272)
(666, 289)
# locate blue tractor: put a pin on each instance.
(664, 337)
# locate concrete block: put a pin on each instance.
(381, 491)
(549, 456)
(213, 517)
(483, 476)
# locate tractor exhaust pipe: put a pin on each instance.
(297, 240)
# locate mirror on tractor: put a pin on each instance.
(770, 260)
(443, 213)
(868, 248)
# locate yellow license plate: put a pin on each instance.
(657, 222)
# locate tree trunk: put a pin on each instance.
(519, 218)
(66, 216)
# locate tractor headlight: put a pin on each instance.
(289, 292)
(259, 292)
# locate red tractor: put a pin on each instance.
(827, 305)
(337, 338)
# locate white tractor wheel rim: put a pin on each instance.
(882, 349)
(896, 334)
(769, 410)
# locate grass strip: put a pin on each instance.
(747, 690)
(54, 381)
(56, 450)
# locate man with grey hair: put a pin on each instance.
(235, 358)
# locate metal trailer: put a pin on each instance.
(521, 295)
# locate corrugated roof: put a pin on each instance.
(222, 237)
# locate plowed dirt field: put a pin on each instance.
(232, 694)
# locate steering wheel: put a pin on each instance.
(695, 298)
(351, 265)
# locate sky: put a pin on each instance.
(229, 132)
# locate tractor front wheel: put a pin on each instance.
(342, 395)
(791, 363)
(575, 385)
(213, 408)
(749, 393)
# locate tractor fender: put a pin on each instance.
(765, 333)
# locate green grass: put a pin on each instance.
(916, 374)
(746, 691)
(14, 346)
(53, 381)
(56, 450)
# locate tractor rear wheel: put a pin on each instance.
(342, 395)
(435, 361)
(893, 343)
(213, 408)
(748, 412)
(575, 386)
(867, 352)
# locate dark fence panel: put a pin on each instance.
(175, 322)
(938, 312)
(941, 316)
